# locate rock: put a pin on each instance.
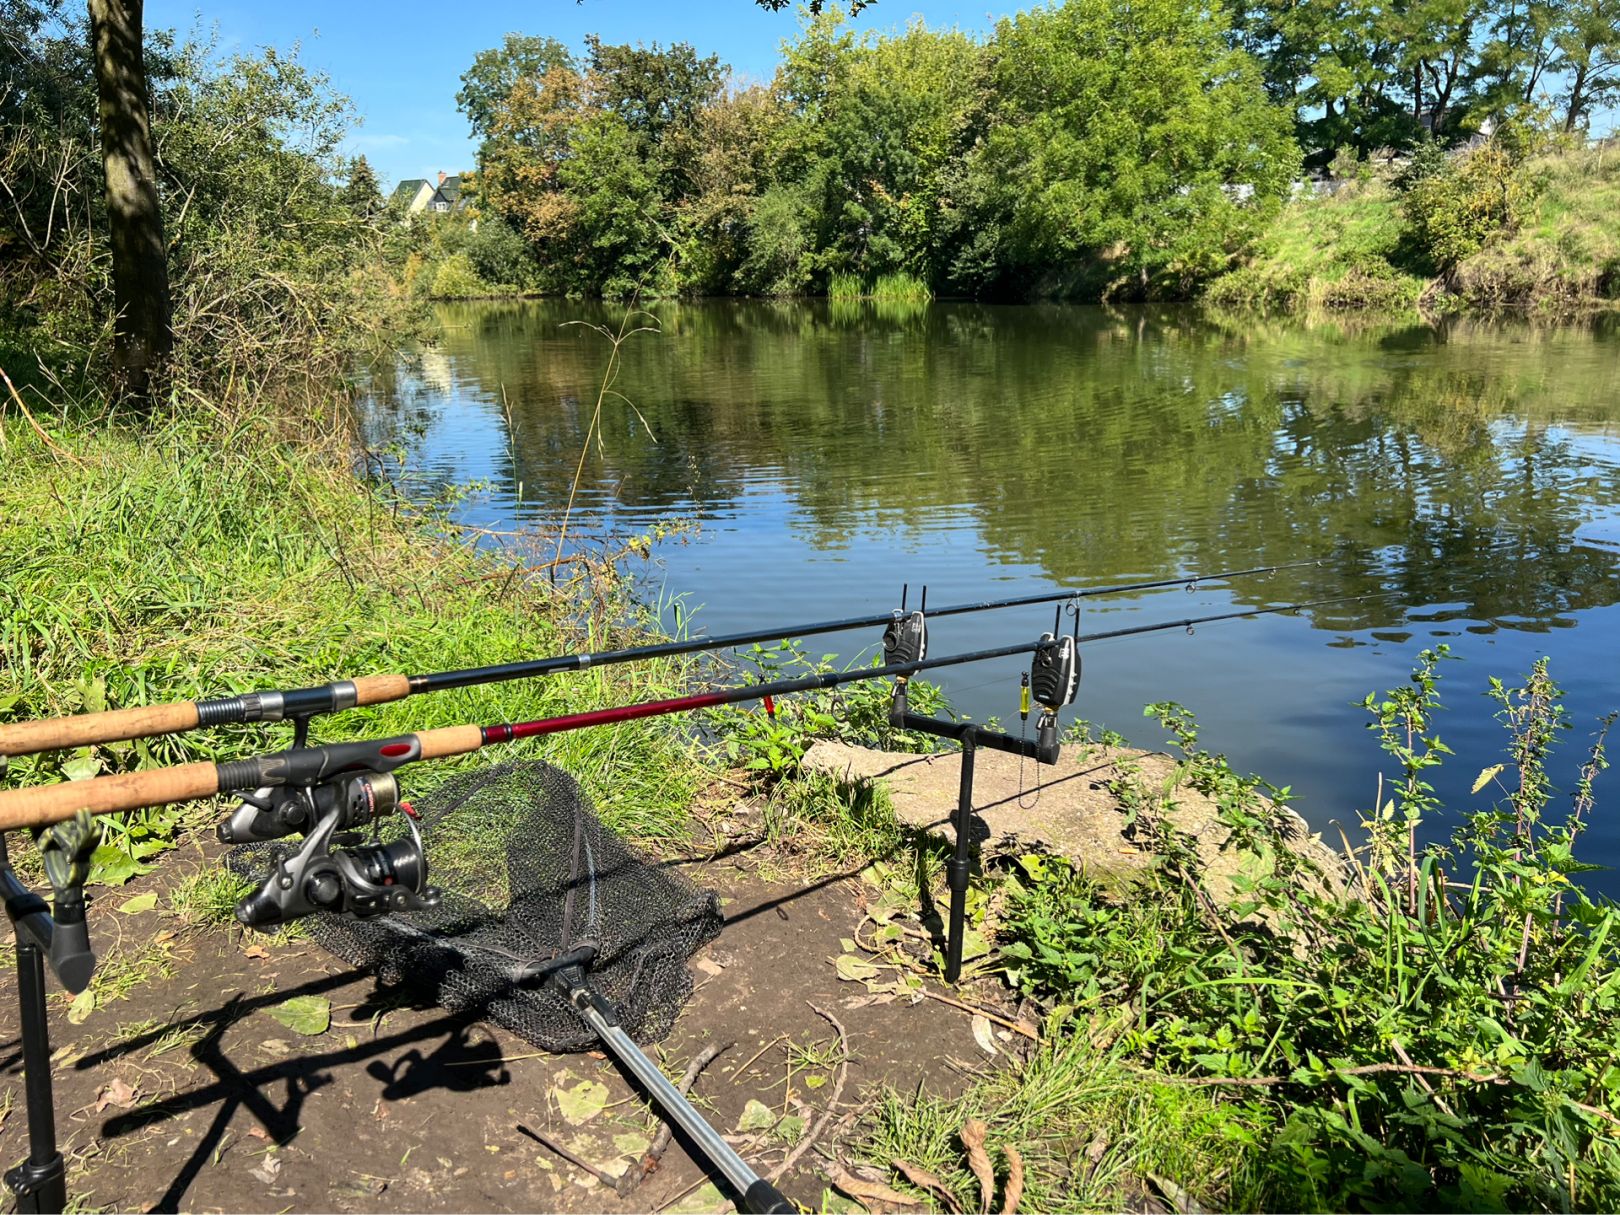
(1071, 813)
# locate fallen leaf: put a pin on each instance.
(266, 1172)
(853, 969)
(814, 1081)
(708, 966)
(258, 1132)
(756, 1116)
(276, 1046)
(924, 1180)
(1180, 1201)
(138, 904)
(973, 1133)
(790, 1129)
(255, 951)
(83, 1005)
(1015, 1182)
(984, 1034)
(872, 1194)
(307, 1015)
(579, 1104)
(115, 1092)
(1096, 1148)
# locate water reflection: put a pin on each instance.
(1469, 469)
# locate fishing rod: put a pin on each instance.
(301, 704)
(307, 767)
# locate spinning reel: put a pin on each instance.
(335, 868)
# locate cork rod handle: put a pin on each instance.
(115, 725)
(47, 804)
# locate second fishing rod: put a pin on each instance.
(307, 767)
(301, 704)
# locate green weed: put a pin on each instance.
(1443, 1037)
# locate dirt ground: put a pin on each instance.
(186, 1094)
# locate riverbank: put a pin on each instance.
(1359, 247)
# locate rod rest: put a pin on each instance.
(1043, 748)
(64, 940)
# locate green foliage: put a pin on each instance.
(1439, 1035)
(772, 741)
(486, 85)
(455, 278)
(176, 563)
(270, 229)
(868, 158)
(1453, 210)
(1115, 128)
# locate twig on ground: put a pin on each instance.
(811, 1135)
(1015, 1026)
(754, 1058)
(56, 448)
(604, 1177)
(639, 1172)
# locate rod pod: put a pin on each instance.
(756, 1193)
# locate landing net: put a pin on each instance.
(529, 874)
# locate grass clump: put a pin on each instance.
(167, 561)
(845, 286)
(1336, 251)
(1089, 1131)
(1515, 222)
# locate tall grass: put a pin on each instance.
(901, 288)
(845, 286)
(177, 562)
(896, 288)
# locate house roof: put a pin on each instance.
(450, 188)
(406, 190)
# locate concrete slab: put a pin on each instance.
(1068, 809)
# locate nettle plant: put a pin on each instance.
(1435, 1026)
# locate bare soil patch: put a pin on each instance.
(187, 1094)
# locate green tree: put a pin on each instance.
(1587, 57)
(1120, 134)
(898, 114)
(488, 83)
(361, 193)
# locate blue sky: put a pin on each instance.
(401, 61)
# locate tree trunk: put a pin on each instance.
(1577, 100)
(142, 336)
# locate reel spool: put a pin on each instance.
(332, 870)
(274, 812)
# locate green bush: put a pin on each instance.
(1454, 211)
(1442, 1035)
(456, 278)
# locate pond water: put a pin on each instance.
(1469, 472)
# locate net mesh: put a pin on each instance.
(529, 873)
